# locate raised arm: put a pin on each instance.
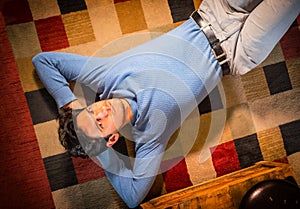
(133, 184)
(56, 70)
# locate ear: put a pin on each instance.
(112, 139)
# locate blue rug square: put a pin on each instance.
(71, 6)
(248, 150)
(60, 171)
(291, 136)
(277, 77)
(181, 10)
(41, 105)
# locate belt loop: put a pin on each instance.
(217, 49)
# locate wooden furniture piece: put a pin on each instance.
(223, 192)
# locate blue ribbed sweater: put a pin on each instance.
(163, 80)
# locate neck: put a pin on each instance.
(129, 114)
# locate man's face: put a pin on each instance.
(103, 118)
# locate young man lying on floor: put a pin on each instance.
(147, 92)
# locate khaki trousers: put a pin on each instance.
(249, 29)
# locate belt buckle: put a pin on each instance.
(220, 56)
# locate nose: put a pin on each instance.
(101, 113)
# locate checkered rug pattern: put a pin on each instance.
(262, 108)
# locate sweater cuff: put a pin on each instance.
(63, 96)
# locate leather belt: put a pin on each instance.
(217, 49)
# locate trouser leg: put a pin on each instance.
(245, 6)
(262, 30)
(227, 18)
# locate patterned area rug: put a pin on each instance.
(261, 109)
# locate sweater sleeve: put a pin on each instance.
(55, 70)
(133, 184)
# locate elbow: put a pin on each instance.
(37, 60)
(42, 58)
(134, 199)
(133, 203)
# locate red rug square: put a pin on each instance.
(119, 1)
(16, 11)
(290, 43)
(282, 160)
(87, 170)
(51, 33)
(177, 177)
(225, 158)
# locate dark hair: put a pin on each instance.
(77, 143)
